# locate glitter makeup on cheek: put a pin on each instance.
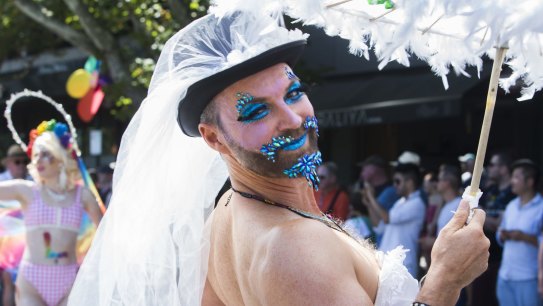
(306, 167)
(290, 74)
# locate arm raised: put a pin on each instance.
(18, 190)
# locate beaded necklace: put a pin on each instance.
(323, 218)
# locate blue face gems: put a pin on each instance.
(311, 123)
(290, 74)
(288, 143)
(306, 167)
(270, 150)
(243, 99)
(249, 111)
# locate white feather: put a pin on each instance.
(444, 33)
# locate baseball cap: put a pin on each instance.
(407, 157)
(464, 158)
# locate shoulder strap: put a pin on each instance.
(333, 202)
(37, 196)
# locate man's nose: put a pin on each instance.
(289, 119)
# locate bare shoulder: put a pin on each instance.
(304, 262)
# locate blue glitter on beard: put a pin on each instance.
(311, 122)
(306, 167)
(243, 98)
(270, 150)
(290, 74)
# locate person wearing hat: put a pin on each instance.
(15, 163)
(227, 81)
(407, 157)
(467, 162)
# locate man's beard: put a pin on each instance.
(259, 163)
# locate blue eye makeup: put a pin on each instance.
(290, 74)
(253, 112)
(249, 111)
(243, 99)
(295, 93)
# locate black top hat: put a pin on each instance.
(200, 93)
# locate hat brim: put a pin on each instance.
(202, 92)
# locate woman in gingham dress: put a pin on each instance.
(52, 207)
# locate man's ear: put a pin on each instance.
(213, 137)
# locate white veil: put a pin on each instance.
(150, 248)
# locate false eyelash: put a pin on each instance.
(254, 115)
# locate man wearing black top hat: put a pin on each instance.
(231, 76)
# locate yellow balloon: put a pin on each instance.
(78, 83)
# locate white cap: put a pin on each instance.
(407, 157)
(464, 158)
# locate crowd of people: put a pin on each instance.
(400, 203)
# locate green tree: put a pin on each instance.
(126, 35)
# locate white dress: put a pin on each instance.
(396, 286)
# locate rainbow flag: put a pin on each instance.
(12, 235)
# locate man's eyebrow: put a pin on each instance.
(263, 99)
(292, 83)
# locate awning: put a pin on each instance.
(390, 96)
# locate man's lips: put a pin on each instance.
(286, 143)
(295, 144)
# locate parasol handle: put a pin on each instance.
(487, 121)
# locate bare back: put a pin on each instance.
(254, 245)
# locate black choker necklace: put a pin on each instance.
(323, 218)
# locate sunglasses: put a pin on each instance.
(20, 162)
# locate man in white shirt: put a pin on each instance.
(520, 235)
(403, 223)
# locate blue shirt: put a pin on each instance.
(446, 213)
(387, 197)
(519, 259)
